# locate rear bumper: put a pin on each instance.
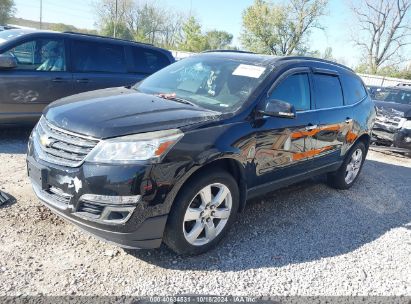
(147, 235)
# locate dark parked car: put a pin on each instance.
(175, 157)
(372, 90)
(7, 27)
(393, 123)
(38, 67)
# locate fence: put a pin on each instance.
(382, 81)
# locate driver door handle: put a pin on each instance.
(348, 120)
(311, 127)
(60, 79)
(83, 80)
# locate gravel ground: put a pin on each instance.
(307, 239)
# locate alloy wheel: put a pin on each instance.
(207, 214)
(353, 167)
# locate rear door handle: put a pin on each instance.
(83, 80)
(60, 79)
(311, 127)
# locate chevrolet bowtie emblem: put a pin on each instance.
(45, 141)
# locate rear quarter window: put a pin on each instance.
(327, 91)
(148, 61)
(354, 90)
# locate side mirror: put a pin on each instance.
(278, 108)
(7, 61)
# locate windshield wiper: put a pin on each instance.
(173, 97)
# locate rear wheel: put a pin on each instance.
(349, 171)
(202, 213)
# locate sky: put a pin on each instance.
(213, 14)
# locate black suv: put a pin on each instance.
(38, 67)
(176, 157)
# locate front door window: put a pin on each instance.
(40, 55)
(295, 89)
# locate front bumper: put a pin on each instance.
(147, 235)
(133, 225)
(399, 138)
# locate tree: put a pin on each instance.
(328, 54)
(194, 40)
(7, 10)
(61, 27)
(141, 21)
(218, 40)
(112, 17)
(384, 29)
(157, 25)
(174, 33)
(280, 29)
(122, 31)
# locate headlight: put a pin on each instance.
(152, 146)
(406, 124)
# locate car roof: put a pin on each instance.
(263, 60)
(87, 36)
(105, 38)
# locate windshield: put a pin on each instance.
(218, 84)
(10, 34)
(394, 95)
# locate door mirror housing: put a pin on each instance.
(7, 62)
(278, 108)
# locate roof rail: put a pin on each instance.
(227, 51)
(105, 37)
(314, 59)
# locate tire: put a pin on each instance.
(184, 224)
(340, 179)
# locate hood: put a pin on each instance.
(393, 108)
(121, 111)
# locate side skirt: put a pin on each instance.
(284, 182)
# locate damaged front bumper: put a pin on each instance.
(391, 129)
(398, 139)
(108, 201)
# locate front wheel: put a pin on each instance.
(202, 213)
(349, 171)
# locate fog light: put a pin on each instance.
(113, 200)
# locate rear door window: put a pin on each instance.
(327, 91)
(98, 57)
(148, 61)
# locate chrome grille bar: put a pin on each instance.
(61, 147)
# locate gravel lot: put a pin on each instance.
(307, 239)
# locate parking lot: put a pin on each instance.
(307, 239)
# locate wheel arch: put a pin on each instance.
(365, 138)
(230, 165)
(236, 169)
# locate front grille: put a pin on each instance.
(61, 147)
(389, 118)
